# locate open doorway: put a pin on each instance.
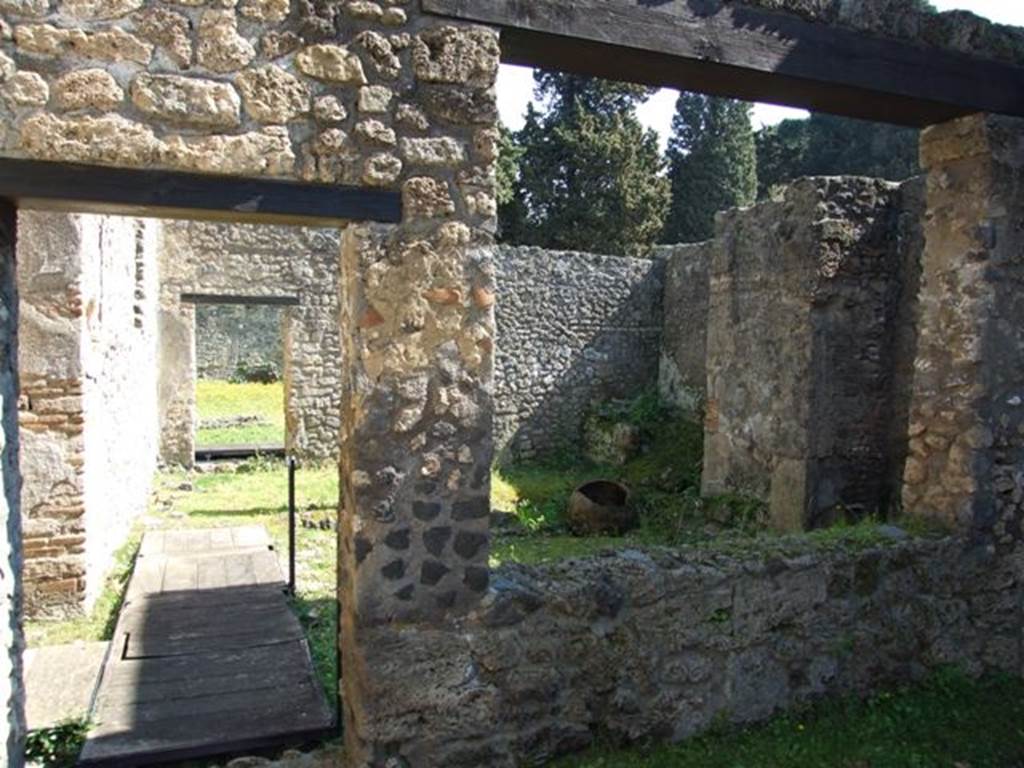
(128, 554)
(240, 382)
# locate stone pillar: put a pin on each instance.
(966, 464)
(803, 335)
(176, 400)
(417, 328)
(12, 739)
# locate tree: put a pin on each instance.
(590, 177)
(712, 164)
(824, 145)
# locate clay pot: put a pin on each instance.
(601, 508)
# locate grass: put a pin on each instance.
(948, 721)
(226, 400)
(255, 494)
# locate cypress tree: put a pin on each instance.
(712, 164)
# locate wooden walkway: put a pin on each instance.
(207, 658)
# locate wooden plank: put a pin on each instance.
(140, 673)
(747, 53)
(246, 451)
(137, 192)
(203, 672)
(247, 301)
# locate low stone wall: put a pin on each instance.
(659, 645)
(254, 261)
(88, 452)
(682, 371)
(574, 329)
(809, 342)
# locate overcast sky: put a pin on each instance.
(515, 84)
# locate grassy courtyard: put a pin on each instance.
(233, 413)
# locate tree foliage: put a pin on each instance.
(712, 164)
(590, 177)
(825, 145)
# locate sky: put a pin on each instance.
(515, 84)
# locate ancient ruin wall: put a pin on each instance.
(682, 370)
(88, 451)
(654, 647)
(806, 296)
(574, 330)
(966, 463)
(227, 336)
(12, 690)
(247, 260)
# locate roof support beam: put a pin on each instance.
(170, 194)
(746, 53)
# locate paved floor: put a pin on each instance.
(207, 657)
(60, 681)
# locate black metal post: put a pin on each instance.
(291, 524)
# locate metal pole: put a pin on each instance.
(291, 524)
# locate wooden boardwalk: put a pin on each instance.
(207, 657)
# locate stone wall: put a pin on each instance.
(682, 371)
(12, 689)
(966, 467)
(88, 330)
(657, 646)
(909, 20)
(228, 335)
(574, 330)
(248, 260)
(807, 318)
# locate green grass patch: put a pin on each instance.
(219, 400)
(947, 722)
(56, 747)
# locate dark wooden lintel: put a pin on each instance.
(747, 53)
(171, 194)
(252, 301)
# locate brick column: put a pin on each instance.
(966, 467)
(417, 335)
(11, 690)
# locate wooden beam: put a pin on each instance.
(251, 301)
(169, 194)
(746, 53)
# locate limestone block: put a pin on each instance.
(109, 140)
(272, 95)
(92, 10)
(25, 89)
(443, 151)
(412, 118)
(375, 132)
(329, 109)
(271, 11)
(220, 47)
(382, 170)
(187, 100)
(364, 9)
(375, 99)
(112, 44)
(277, 44)
(382, 55)
(31, 8)
(331, 63)
(427, 198)
(87, 89)
(449, 54)
(258, 153)
(7, 66)
(394, 17)
(168, 29)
